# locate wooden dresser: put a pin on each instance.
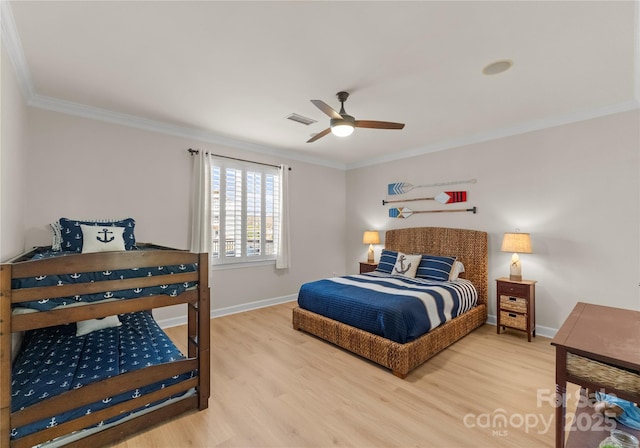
(597, 348)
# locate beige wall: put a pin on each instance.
(574, 187)
(13, 174)
(92, 169)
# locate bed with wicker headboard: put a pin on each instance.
(469, 246)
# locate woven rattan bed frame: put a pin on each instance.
(470, 246)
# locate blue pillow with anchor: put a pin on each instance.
(71, 232)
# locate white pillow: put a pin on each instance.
(16, 343)
(456, 270)
(102, 238)
(406, 265)
(56, 236)
(87, 326)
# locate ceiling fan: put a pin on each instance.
(342, 124)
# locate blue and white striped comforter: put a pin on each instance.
(397, 308)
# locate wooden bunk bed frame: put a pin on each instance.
(197, 356)
(470, 247)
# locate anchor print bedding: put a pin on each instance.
(173, 289)
(397, 308)
(54, 360)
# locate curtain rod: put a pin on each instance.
(195, 151)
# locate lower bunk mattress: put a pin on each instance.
(54, 360)
(397, 308)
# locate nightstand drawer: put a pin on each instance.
(513, 320)
(510, 303)
(514, 289)
(367, 267)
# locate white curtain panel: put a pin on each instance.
(201, 204)
(283, 257)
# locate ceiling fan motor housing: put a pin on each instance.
(346, 119)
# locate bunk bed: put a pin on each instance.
(92, 311)
(338, 305)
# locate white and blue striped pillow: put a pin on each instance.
(435, 268)
(387, 261)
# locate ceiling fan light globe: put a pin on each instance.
(342, 127)
(342, 130)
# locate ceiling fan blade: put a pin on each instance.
(319, 135)
(324, 107)
(377, 124)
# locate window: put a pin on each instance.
(245, 212)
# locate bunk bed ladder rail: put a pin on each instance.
(198, 332)
(202, 327)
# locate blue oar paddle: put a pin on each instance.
(405, 187)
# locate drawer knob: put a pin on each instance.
(513, 299)
(513, 315)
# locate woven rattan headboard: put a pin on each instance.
(469, 246)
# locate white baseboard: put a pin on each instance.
(172, 322)
(219, 312)
(546, 332)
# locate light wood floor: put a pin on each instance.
(273, 386)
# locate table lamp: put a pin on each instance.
(516, 243)
(370, 237)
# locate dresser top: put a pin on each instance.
(608, 333)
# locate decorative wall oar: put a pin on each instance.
(405, 187)
(446, 197)
(405, 212)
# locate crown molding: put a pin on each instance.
(94, 113)
(11, 42)
(495, 134)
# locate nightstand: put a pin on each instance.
(516, 305)
(365, 266)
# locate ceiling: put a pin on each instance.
(230, 72)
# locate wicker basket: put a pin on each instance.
(513, 320)
(517, 304)
(604, 374)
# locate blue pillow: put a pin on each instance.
(71, 233)
(435, 268)
(387, 261)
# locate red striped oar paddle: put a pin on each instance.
(446, 197)
(405, 212)
(405, 187)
